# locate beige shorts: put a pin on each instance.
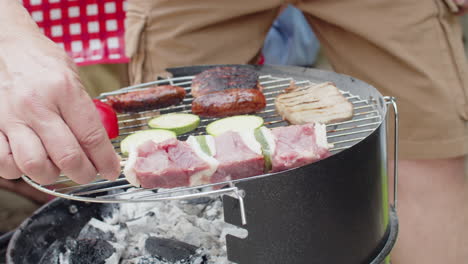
(101, 78)
(410, 49)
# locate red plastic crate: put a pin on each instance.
(91, 31)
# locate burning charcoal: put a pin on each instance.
(196, 206)
(144, 260)
(107, 211)
(193, 209)
(201, 200)
(142, 224)
(150, 214)
(52, 254)
(91, 232)
(96, 229)
(131, 211)
(196, 222)
(171, 250)
(96, 251)
(154, 260)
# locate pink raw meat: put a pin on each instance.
(168, 164)
(296, 146)
(236, 159)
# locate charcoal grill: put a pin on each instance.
(287, 212)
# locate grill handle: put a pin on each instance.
(240, 194)
(390, 100)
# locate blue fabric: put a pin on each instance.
(290, 40)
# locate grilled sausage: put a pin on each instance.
(229, 102)
(153, 98)
(223, 78)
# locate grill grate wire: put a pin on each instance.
(342, 135)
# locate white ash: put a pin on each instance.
(198, 224)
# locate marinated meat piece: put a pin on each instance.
(224, 78)
(153, 98)
(236, 159)
(299, 145)
(174, 163)
(167, 164)
(229, 102)
(321, 103)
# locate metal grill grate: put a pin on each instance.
(342, 135)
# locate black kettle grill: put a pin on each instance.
(332, 211)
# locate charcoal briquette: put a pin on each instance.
(170, 249)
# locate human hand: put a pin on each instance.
(462, 6)
(48, 123)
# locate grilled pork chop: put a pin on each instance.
(224, 78)
(322, 103)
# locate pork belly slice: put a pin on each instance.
(236, 157)
(167, 164)
(298, 145)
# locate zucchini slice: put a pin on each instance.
(266, 139)
(180, 123)
(204, 142)
(205, 149)
(238, 123)
(139, 137)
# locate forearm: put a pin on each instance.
(15, 21)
